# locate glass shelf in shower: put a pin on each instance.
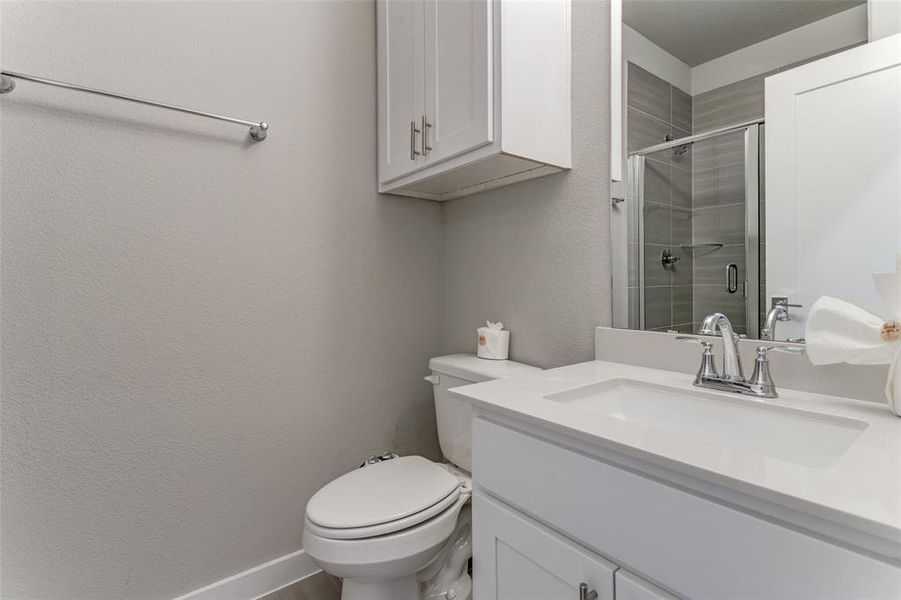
(703, 248)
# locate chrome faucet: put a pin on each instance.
(718, 322)
(778, 312)
(733, 379)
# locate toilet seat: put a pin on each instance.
(358, 533)
(400, 553)
(380, 499)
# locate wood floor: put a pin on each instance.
(320, 586)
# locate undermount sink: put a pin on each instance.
(718, 421)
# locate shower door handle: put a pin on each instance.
(731, 278)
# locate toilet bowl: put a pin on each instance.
(400, 529)
(379, 526)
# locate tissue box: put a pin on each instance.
(493, 344)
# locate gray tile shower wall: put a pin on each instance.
(739, 101)
(718, 213)
(718, 208)
(650, 94)
(681, 109)
(657, 109)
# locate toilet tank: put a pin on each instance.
(454, 414)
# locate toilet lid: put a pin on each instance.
(381, 493)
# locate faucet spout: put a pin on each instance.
(777, 313)
(719, 323)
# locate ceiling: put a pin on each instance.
(696, 31)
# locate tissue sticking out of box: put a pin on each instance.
(493, 341)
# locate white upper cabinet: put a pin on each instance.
(473, 94)
(458, 98)
(401, 51)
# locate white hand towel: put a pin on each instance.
(838, 331)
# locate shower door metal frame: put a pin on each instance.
(635, 196)
(752, 231)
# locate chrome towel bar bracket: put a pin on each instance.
(258, 131)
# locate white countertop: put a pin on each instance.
(860, 488)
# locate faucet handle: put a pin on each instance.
(761, 378)
(764, 350)
(783, 301)
(687, 338)
(707, 369)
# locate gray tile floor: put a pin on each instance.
(320, 586)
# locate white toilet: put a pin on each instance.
(400, 529)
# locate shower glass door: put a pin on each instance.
(694, 233)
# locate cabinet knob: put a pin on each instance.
(586, 594)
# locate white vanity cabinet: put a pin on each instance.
(557, 511)
(518, 559)
(632, 587)
(472, 94)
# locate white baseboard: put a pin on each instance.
(258, 581)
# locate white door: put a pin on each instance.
(400, 81)
(632, 587)
(458, 90)
(515, 558)
(833, 178)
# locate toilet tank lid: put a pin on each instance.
(472, 368)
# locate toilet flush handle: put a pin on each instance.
(433, 379)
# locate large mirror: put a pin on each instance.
(693, 229)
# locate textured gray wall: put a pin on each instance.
(536, 254)
(198, 332)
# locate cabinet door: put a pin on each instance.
(400, 82)
(515, 558)
(632, 587)
(458, 86)
(833, 154)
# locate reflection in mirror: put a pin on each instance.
(693, 235)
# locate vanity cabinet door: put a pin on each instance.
(632, 587)
(515, 558)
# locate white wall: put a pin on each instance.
(536, 254)
(885, 18)
(199, 331)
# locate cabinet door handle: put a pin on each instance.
(413, 131)
(585, 594)
(425, 136)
